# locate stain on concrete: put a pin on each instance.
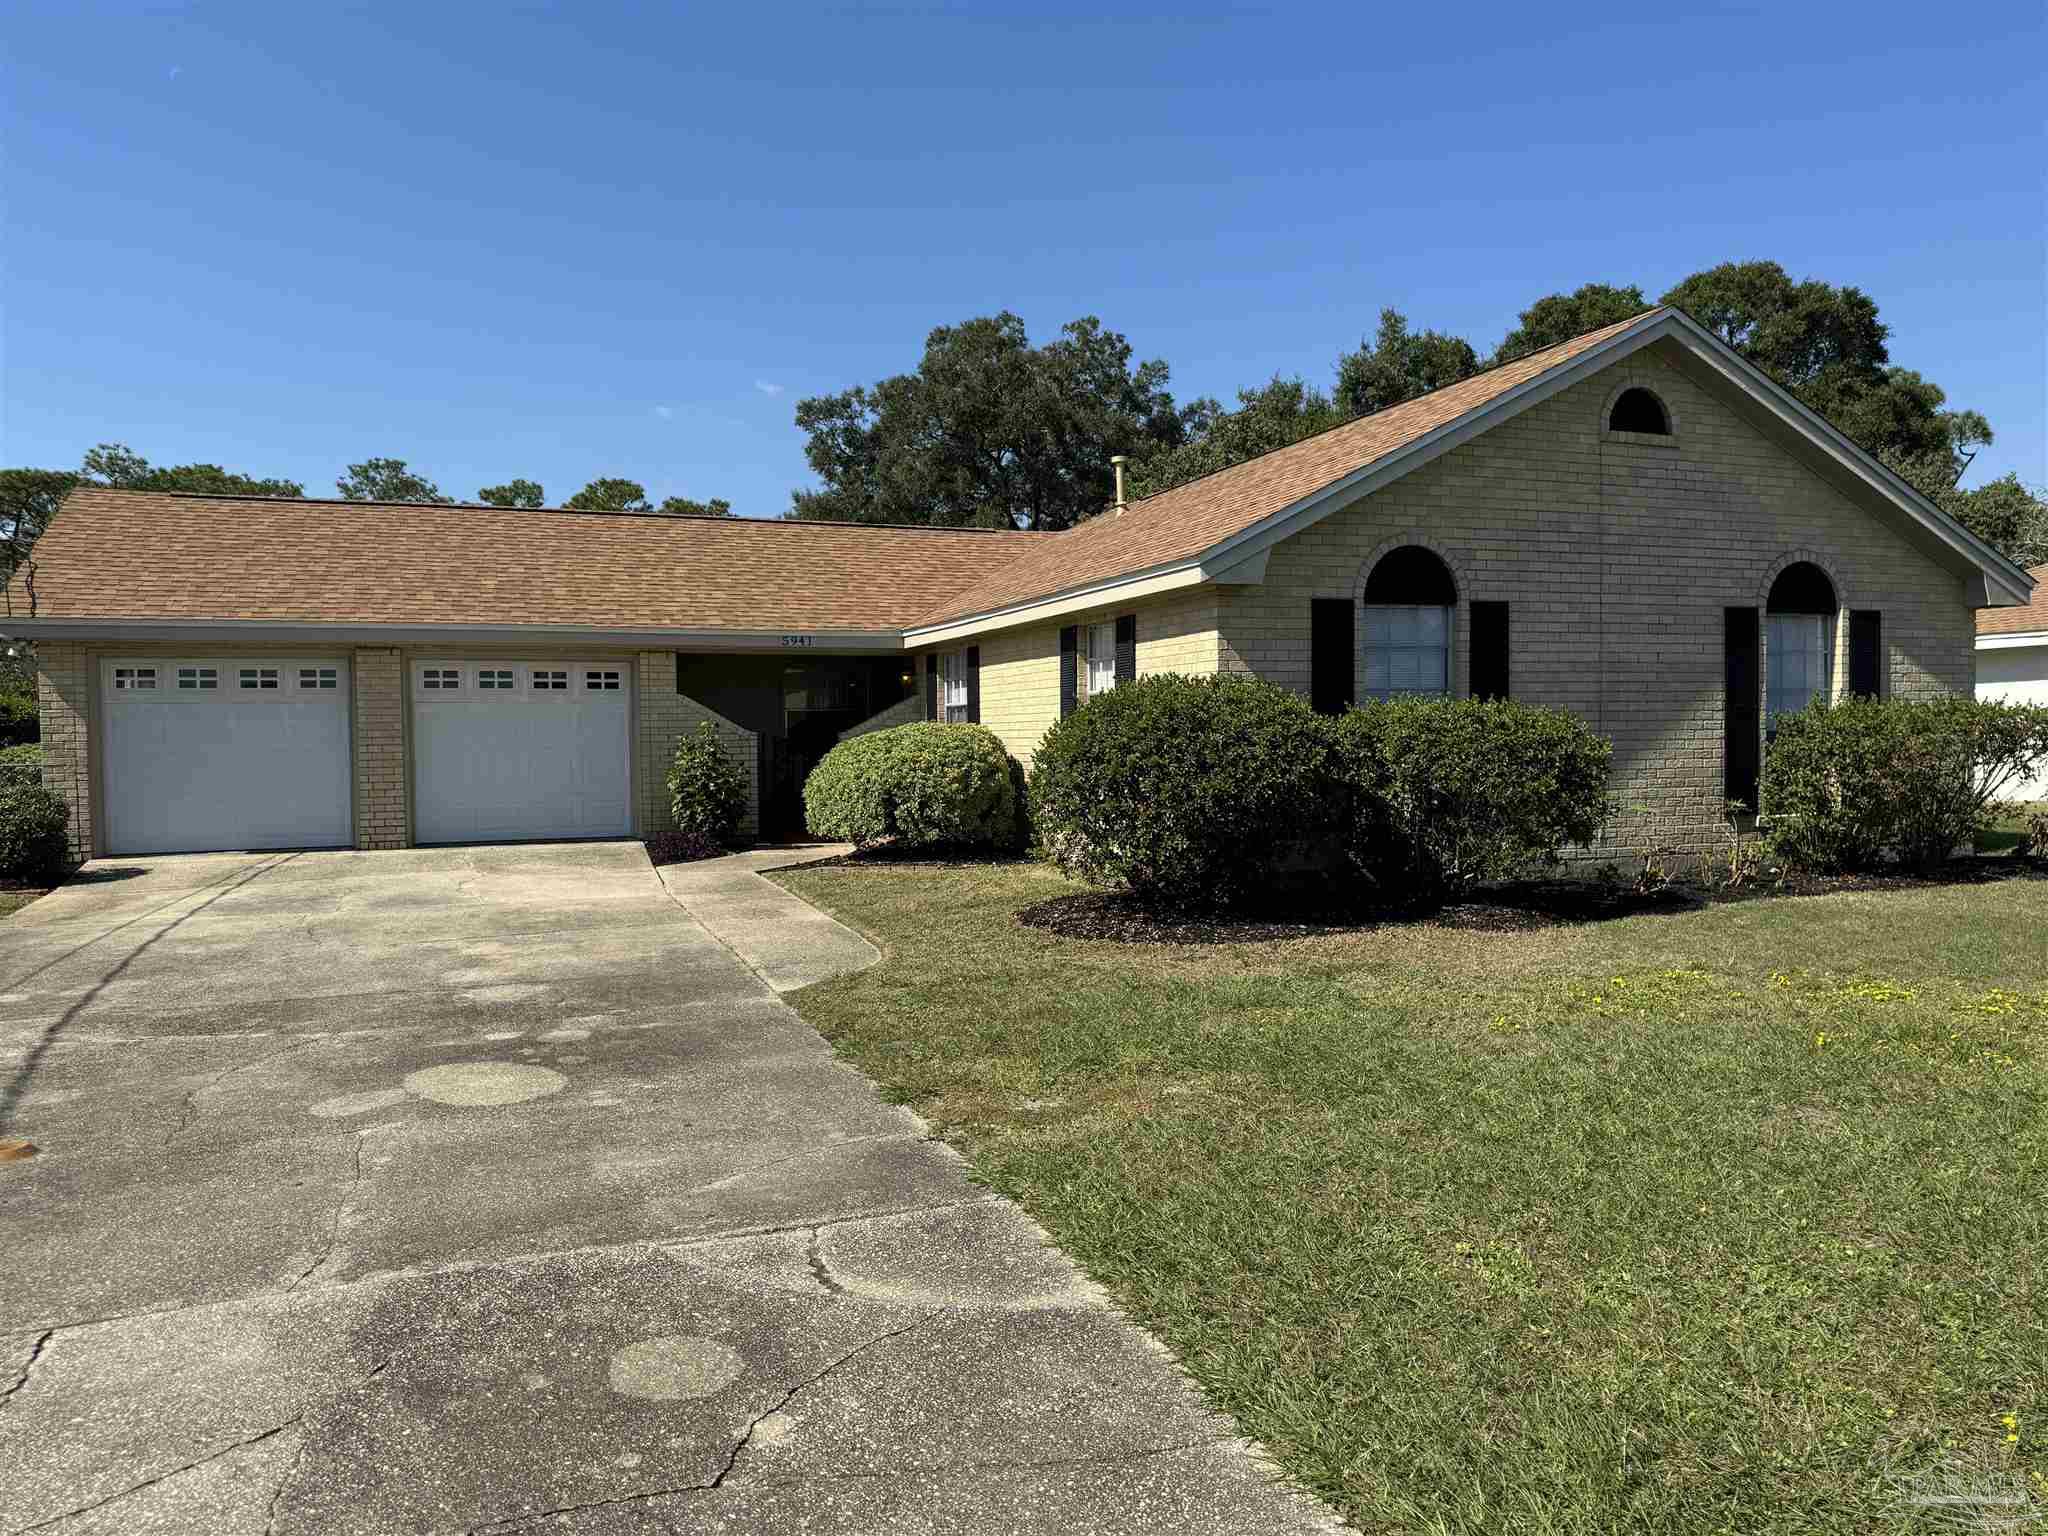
(359, 1103)
(479, 1083)
(678, 1367)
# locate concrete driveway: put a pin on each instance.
(486, 1190)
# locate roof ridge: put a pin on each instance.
(485, 506)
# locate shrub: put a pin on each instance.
(707, 789)
(18, 722)
(21, 764)
(1446, 794)
(1196, 791)
(1849, 786)
(32, 823)
(921, 785)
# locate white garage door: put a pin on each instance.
(510, 750)
(225, 752)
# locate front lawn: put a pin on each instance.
(1729, 1221)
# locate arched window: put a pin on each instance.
(1639, 411)
(1799, 640)
(1409, 600)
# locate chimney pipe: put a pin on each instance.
(1117, 462)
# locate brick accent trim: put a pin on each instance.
(66, 686)
(377, 731)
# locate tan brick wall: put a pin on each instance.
(666, 716)
(383, 775)
(1618, 555)
(65, 680)
(1020, 668)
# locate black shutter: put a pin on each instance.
(1489, 650)
(1127, 648)
(1739, 714)
(931, 686)
(974, 685)
(1070, 658)
(1866, 653)
(1332, 660)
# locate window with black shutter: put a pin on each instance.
(1332, 654)
(1070, 661)
(931, 686)
(1490, 650)
(1740, 706)
(1127, 648)
(1866, 653)
(974, 685)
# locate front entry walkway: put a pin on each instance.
(468, 1190)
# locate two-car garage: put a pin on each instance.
(240, 752)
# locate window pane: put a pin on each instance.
(1432, 626)
(1377, 671)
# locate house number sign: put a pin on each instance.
(797, 642)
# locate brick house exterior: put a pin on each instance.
(1611, 571)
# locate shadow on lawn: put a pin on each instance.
(1525, 906)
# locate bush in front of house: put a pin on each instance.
(1440, 795)
(32, 823)
(922, 785)
(707, 790)
(22, 764)
(1855, 785)
(18, 719)
(1191, 791)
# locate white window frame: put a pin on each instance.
(1779, 653)
(130, 678)
(259, 679)
(603, 679)
(441, 679)
(497, 679)
(1394, 648)
(204, 680)
(331, 676)
(1101, 671)
(550, 680)
(953, 688)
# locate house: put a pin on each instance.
(1635, 524)
(2012, 664)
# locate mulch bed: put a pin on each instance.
(1121, 918)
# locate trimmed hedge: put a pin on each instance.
(707, 789)
(1196, 790)
(1858, 784)
(18, 719)
(32, 823)
(919, 785)
(1442, 795)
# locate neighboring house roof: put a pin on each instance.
(128, 557)
(2030, 618)
(1190, 519)
(113, 554)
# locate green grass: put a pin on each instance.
(2010, 832)
(12, 899)
(1717, 1222)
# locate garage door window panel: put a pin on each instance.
(198, 679)
(135, 679)
(440, 679)
(319, 679)
(601, 681)
(547, 680)
(258, 679)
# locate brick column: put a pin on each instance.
(378, 678)
(666, 716)
(64, 693)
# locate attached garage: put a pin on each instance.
(216, 752)
(517, 750)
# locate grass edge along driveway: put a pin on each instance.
(1728, 1221)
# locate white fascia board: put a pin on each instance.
(2021, 640)
(1124, 589)
(288, 632)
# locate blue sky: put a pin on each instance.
(594, 239)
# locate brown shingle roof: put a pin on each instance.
(2019, 621)
(155, 555)
(1179, 524)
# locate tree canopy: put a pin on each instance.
(513, 493)
(683, 506)
(1400, 364)
(610, 493)
(989, 430)
(387, 480)
(118, 465)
